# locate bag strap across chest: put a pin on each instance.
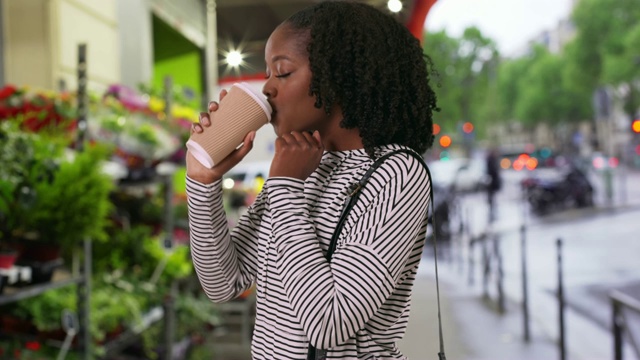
(354, 194)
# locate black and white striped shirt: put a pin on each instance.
(358, 305)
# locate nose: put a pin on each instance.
(269, 90)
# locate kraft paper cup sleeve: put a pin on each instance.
(259, 98)
(241, 111)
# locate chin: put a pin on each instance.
(276, 129)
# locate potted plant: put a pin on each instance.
(25, 160)
(112, 309)
(49, 199)
(75, 203)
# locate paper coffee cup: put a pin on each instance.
(241, 111)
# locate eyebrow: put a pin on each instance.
(280, 57)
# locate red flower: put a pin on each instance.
(7, 91)
(32, 345)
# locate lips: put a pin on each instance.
(273, 110)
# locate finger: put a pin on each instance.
(204, 119)
(196, 128)
(288, 139)
(316, 135)
(239, 154)
(301, 139)
(313, 142)
(213, 106)
(279, 144)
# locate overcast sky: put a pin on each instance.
(511, 23)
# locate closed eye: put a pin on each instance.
(283, 75)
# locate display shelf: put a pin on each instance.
(13, 294)
(129, 337)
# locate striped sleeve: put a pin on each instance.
(226, 263)
(332, 301)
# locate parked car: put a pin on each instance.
(472, 175)
(460, 175)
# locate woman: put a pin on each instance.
(348, 84)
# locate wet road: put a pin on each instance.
(601, 252)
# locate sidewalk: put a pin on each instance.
(472, 328)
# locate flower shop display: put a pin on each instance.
(135, 123)
(139, 126)
(53, 197)
(38, 109)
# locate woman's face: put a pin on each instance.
(287, 86)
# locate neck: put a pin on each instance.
(336, 138)
(342, 140)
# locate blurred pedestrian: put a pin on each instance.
(348, 84)
(494, 181)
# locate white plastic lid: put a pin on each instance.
(200, 154)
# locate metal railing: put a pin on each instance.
(621, 302)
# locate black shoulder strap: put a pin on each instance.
(354, 194)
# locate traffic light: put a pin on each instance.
(467, 128)
(445, 141)
(635, 126)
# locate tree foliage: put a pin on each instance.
(466, 67)
(606, 49)
(476, 85)
(443, 51)
(535, 89)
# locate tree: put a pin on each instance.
(510, 74)
(543, 93)
(443, 51)
(466, 66)
(479, 99)
(605, 50)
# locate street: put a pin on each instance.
(600, 253)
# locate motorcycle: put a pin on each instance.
(571, 190)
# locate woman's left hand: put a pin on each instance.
(297, 155)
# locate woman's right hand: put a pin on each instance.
(202, 174)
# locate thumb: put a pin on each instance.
(238, 154)
(247, 144)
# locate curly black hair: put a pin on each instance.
(371, 65)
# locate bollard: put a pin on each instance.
(500, 276)
(461, 240)
(563, 354)
(608, 185)
(486, 269)
(466, 236)
(618, 329)
(525, 293)
(472, 242)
